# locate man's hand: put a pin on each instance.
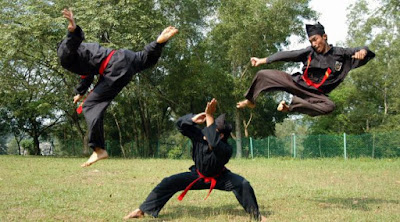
(257, 61)
(360, 54)
(70, 17)
(199, 118)
(166, 34)
(77, 98)
(210, 110)
(211, 107)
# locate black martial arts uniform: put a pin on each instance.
(116, 68)
(321, 74)
(209, 163)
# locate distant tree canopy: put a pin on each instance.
(208, 58)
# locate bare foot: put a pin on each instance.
(263, 219)
(245, 103)
(70, 17)
(282, 107)
(98, 154)
(134, 214)
(166, 34)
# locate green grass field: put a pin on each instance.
(57, 189)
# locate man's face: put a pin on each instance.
(318, 42)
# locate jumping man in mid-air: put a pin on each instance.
(115, 67)
(325, 67)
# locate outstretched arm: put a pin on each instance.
(74, 38)
(258, 61)
(70, 17)
(288, 56)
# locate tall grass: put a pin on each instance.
(57, 189)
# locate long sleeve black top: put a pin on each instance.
(210, 155)
(337, 59)
(87, 58)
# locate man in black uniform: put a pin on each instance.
(325, 67)
(116, 68)
(210, 154)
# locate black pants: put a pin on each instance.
(94, 108)
(228, 181)
(304, 101)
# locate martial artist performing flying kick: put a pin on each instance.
(210, 154)
(115, 67)
(325, 67)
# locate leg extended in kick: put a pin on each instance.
(266, 81)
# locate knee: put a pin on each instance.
(267, 74)
(330, 106)
(245, 184)
(168, 182)
(90, 116)
(241, 184)
(262, 73)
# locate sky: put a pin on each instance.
(332, 15)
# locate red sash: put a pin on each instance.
(104, 63)
(206, 180)
(103, 66)
(311, 83)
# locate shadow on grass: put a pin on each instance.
(361, 203)
(201, 212)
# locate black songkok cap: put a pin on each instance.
(222, 126)
(315, 29)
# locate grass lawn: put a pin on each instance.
(58, 189)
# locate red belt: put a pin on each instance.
(311, 83)
(103, 66)
(104, 63)
(206, 180)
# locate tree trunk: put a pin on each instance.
(144, 131)
(238, 135)
(385, 101)
(18, 139)
(84, 135)
(119, 135)
(36, 144)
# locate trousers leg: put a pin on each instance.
(304, 101)
(243, 191)
(160, 195)
(312, 105)
(94, 109)
(267, 81)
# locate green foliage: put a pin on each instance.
(28, 145)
